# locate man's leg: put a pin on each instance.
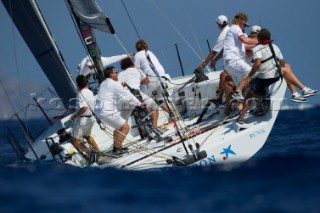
(291, 78)
(229, 85)
(80, 146)
(154, 116)
(165, 107)
(92, 142)
(247, 103)
(119, 135)
(242, 84)
(151, 107)
(222, 85)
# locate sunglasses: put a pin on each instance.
(245, 24)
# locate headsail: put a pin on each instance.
(89, 12)
(89, 16)
(32, 27)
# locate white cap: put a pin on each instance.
(255, 29)
(222, 20)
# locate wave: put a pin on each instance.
(300, 106)
(272, 184)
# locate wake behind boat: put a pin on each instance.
(197, 137)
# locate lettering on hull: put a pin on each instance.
(257, 133)
(205, 162)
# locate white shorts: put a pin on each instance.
(83, 127)
(153, 89)
(151, 104)
(237, 70)
(114, 119)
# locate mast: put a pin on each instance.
(29, 21)
(89, 16)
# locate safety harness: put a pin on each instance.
(276, 60)
(273, 56)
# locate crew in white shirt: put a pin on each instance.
(145, 60)
(133, 77)
(222, 23)
(83, 118)
(108, 108)
(234, 51)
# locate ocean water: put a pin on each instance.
(284, 176)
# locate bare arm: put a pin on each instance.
(79, 113)
(145, 80)
(248, 41)
(207, 60)
(214, 61)
(255, 67)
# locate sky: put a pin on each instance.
(163, 23)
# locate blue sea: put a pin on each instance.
(284, 177)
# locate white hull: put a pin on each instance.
(224, 143)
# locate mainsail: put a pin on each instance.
(32, 27)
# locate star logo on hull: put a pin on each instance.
(226, 152)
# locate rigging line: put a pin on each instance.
(121, 44)
(168, 102)
(30, 103)
(177, 31)
(192, 28)
(7, 96)
(164, 57)
(145, 150)
(27, 134)
(215, 129)
(151, 154)
(131, 19)
(15, 56)
(143, 147)
(137, 147)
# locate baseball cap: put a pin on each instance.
(222, 20)
(255, 29)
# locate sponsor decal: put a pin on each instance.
(226, 152)
(205, 162)
(257, 133)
